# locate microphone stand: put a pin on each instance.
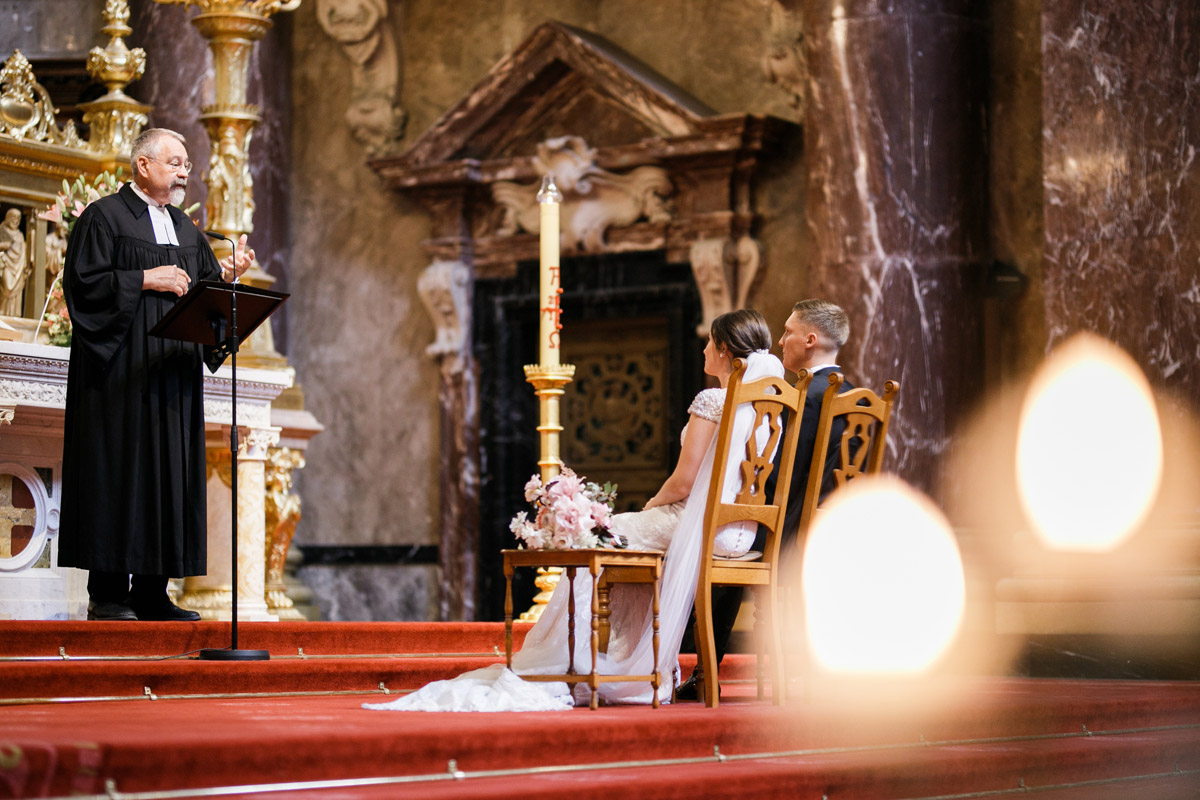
(232, 653)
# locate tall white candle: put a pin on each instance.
(550, 286)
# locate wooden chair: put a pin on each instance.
(860, 443)
(769, 397)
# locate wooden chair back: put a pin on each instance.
(770, 399)
(861, 443)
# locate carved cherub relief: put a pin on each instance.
(594, 199)
(362, 28)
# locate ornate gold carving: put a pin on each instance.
(594, 199)
(784, 62)
(443, 287)
(361, 28)
(116, 119)
(282, 513)
(230, 204)
(25, 108)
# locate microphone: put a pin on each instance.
(224, 238)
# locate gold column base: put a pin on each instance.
(547, 579)
(210, 602)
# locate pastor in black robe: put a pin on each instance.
(133, 484)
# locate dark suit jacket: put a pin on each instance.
(804, 453)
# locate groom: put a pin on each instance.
(812, 337)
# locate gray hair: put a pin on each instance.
(146, 144)
(829, 320)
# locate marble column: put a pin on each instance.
(445, 287)
(895, 138)
(1120, 128)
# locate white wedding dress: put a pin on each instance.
(677, 529)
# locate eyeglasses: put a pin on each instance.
(174, 164)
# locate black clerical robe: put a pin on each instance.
(133, 483)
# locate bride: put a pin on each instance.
(673, 521)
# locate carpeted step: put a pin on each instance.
(29, 638)
(47, 661)
(999, 734)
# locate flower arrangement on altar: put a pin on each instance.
(77, 196)
(572, 513)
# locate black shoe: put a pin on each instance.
(690, 690)
(163, 610)
(110, 611)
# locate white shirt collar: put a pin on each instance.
(160, 218)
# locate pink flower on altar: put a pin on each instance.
(51, 214)
(533, 488)
(600, 513)
(566, 485)
(79, 207)
(574, 513)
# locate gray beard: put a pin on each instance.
(177, 195)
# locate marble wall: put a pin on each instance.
(896, 145)
(1121, 108)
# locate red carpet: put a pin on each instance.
(1063, 739)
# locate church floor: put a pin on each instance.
(997, 737)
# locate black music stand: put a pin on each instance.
(208, 315)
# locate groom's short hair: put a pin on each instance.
(829, 320)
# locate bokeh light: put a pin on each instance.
(883, 580)
(1089, 447)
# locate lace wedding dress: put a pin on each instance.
(677, 529)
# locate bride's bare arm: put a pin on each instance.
(678, 486)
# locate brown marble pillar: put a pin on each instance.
(895, 138)
(446, 287)
(1120, 130)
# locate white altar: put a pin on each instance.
(33, 388)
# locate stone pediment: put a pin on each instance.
(560, 81)
(642, 164)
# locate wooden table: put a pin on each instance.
(618, 566)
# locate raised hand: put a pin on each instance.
(233, 266)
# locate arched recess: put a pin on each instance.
(645, 169)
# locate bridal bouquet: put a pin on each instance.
(572, 513)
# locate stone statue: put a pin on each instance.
(14, 266)
(363, 30)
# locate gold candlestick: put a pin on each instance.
(548, 382)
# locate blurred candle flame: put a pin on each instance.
(883, 581)
(1089, 447)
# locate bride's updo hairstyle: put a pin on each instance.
(741, 332)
